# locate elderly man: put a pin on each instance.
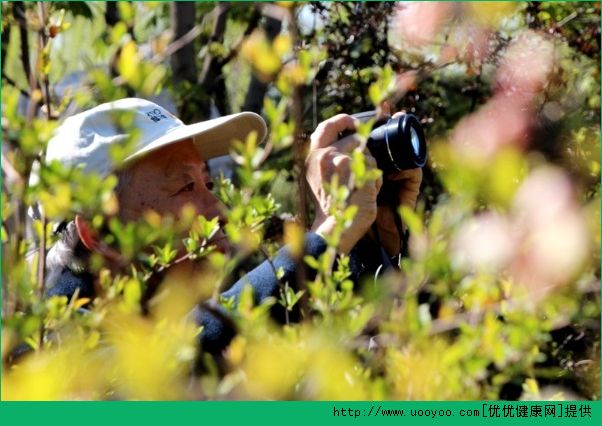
(167, 171)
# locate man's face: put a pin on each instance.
(167, 180)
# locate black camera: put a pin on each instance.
(397, 143)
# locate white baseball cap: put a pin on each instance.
(84, 139)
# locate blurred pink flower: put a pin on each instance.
(484, 243)
(526, 66)
(554, 237)
(507, 117)
(473, 45)
(541, 244)
(419, 23)
(546, 194)
(448, 54)
(405, 82)
(501, 121)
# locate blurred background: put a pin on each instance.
(500, 296)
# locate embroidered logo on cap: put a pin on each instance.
(156, 115)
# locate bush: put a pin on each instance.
(499, 297)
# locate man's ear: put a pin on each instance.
(86, 234)
(89, 239)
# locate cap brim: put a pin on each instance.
(213, 138)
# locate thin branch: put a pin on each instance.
(19, 15)
(42, 272)
(172, 48)
(566, 20)
(43, 43)
(283, 287)
(42, 253)
(299, 152)
(6, 31)
(14, 84)
(253, 23)
(11, 173)
(178, 44)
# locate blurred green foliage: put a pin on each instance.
(499, 297)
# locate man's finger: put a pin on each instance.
(385, 108)
(341, 162)
(379, 183)
(370, 161)
(384, 111)
(342, 166)
(328, 131)
(347, 144)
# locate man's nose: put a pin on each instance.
(210, 206)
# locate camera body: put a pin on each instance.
(397, 143)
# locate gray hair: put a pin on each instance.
(63, 254)
(68, 251)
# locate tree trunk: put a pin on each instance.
(212, 79)
(257, 88)
(111, 19)
(183, 61)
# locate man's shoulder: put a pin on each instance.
(68, 283)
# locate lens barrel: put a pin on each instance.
(397, 143)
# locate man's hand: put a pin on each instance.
(402, 188)
(327, 157)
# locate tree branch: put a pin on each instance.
(6, 30)
(253, 23)
(299, 152)
(19, 15)
(14, 84)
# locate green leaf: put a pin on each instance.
(132, 293)
(411, 219)
(312, 262)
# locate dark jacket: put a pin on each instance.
(218, 330)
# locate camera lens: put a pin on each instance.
(415, 141)
(398, 144)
